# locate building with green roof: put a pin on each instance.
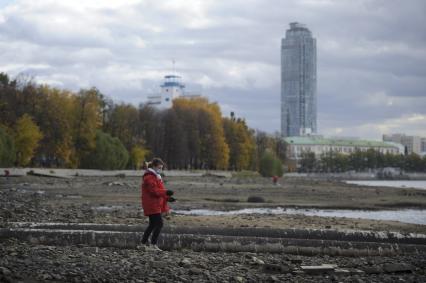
(320, 145)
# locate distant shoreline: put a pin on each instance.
(347, 176)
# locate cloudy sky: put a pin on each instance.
(371, 54)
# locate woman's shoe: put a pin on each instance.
(155, 248)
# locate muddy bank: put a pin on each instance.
(117, 200)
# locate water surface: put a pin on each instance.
(403, 215)
(392, 183)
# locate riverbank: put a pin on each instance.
(116, 199)
(59, 172)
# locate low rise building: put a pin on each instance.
(412, 144)
(320, 145)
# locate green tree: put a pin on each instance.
(175, 149)
(123, 123)
(108, 154)
(270, 165)
(341, 162)
(424, 163)
(7, 149)
(358, 160)
(413, 163)
(8, 100)
(308, 161)
(27, 137)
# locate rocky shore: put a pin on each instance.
(24, 262)
(116, 200)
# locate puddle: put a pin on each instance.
(404, 215)
(108, 208)
(394, 183)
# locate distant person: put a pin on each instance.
(154, 202)
(275, 180)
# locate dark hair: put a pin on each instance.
(155, 162)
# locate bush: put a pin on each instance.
(255, 199)
(109, 154)
(7, 149)
(270, 165)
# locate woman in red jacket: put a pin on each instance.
(154, 201)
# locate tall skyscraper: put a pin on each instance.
(298, 82)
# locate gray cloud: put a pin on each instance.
(371, 54)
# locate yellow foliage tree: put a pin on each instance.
(57, 142)
(27, 137)
(87, 118)
(241, 143)
(214, 151)
(137, 156)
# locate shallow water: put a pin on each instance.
(391, 183)
(404, 215)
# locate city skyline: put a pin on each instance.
(298, 82)
(371, 55)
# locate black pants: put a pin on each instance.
(155, 225)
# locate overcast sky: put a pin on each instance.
(371, 54)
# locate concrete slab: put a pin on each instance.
(318, 269)
(398, 267)
(45, 173)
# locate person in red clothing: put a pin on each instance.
(154, 201)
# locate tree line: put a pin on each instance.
(44, 126)
(360, 161)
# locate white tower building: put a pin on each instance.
(170, 89)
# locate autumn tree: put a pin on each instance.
(240, 141)
(137, 155)
(56, 147)
(27, 137)
(204, 132)
(86, 117)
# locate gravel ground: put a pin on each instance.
(26, 263)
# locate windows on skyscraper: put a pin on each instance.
(298, 82)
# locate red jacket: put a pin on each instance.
(154, 197)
